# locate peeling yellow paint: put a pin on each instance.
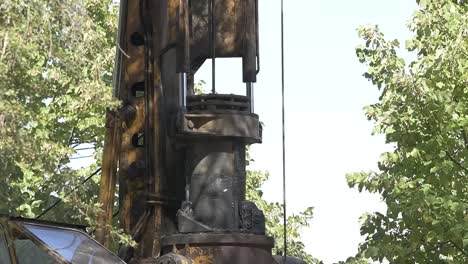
(208, 259)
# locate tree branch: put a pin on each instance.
(5, 44)
(465, 137)
(70, 139)
(456, 162)
(458, 247)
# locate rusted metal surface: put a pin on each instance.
(127, 132)
(245, 127)
(231, 19)
(217, 102)
(140, 167)
(131, 75)
(215, 130)
(108, 177)
(219, 115)
(235, 29)
(172, 258)
(192, 158)
(183, 37)
(240, 239)
(216, 178)
(221, 248)
(250, 41)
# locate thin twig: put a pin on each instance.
(458, 247)
(465, 137)
(70, 138)
(5, 44)
(456, 162)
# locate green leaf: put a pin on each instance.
(422, 111)
(372, 252)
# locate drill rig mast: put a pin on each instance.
(180, 157)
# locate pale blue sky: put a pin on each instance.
(327, 132)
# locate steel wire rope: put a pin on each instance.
(285, 231)
(213, 46)
(69, 193)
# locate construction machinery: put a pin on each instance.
(179, 157)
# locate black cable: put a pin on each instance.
(66, 195)
(258, 37)
(213, 47)
(284, 138)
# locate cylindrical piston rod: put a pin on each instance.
(183, 89)
(250, 94)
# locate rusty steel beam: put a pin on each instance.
(112, 142)
(131, 154)
(163, 137)
(220, 248)
(108, 178)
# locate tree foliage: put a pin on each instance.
(274, 219)
(423, 112)
(56, 61)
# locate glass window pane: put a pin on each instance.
(29, 253)
(4, 255)
(73, 245)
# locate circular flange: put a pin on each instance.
(224, 238)
(213, 102)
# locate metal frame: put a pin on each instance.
(63, 228)
(181, 129)
(9, 222)
(4, 236)
(39, 243)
